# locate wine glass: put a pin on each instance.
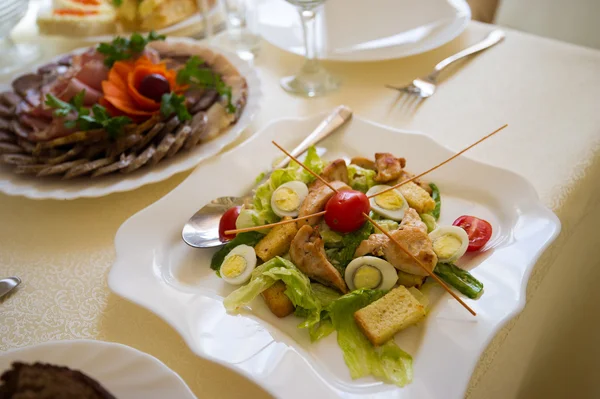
(13, 55)
(312, 79)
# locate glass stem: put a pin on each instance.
(309, 29)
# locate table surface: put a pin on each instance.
(545, 90)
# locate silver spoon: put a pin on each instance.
(202, 230)
(8, 284)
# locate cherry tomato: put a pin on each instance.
(227, 222)
(478, 230)
(154, 86)
(345, 211)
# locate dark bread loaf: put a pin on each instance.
(46, 381)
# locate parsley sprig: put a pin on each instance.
(123, 49)
(195, 72)
(97, 118)
(174, 104)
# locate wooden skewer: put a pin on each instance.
(304, 166)
(267, 226)
(430, 272)
(437, 166)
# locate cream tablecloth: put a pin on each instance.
(547, 91)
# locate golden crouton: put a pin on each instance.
(279, 304)
(277, 242)
(417, 197)
(382, 319)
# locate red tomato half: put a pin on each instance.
(227, 222)
(345, 211)
(478, 230)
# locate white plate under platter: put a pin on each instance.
(124, 371)
(357, 31)
(193, 22)
(156, 270)
(56, 188)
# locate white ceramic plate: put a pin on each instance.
(156, 270)
(356, 30)
(44, 188)
(125, 372)
(195, 21)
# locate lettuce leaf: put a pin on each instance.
(263, 193)
(435, 194)
(361, 179)
(388, 362)
(340, 257)
(298, 289)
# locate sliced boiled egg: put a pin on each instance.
(287, 198)
(449, 243)
(391, 204)
(370, 273)
(238, 265)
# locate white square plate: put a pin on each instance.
(156, 270)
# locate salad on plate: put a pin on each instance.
(345, 248)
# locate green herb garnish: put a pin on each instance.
(460, 279)
(117, 3)
(435, 194)
(98, 118)
(195, 73)
(171, 103)
(123, 49)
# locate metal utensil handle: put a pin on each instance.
(493, 38)
(337, 118)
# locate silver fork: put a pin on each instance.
(425, 87)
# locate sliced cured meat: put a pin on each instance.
(17, 159)
(198, 125)
(149, 136)
(206, 100)
(10, 99)
(182, 134)
(74, 87)
(29, 169)
(122, 163)
(60, 168)
(6, 112)
(140, 160)
(10, 148)
(36, 124)
(163, 148)
(88, 167)
(6, 136)
(17, 128)
(92, 74)
(27, 84)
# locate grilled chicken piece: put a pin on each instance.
(308, 254)
(316, 200)
(412, 220)
(363, 162)
(388, 167)
(413, 236)
(336, 171)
